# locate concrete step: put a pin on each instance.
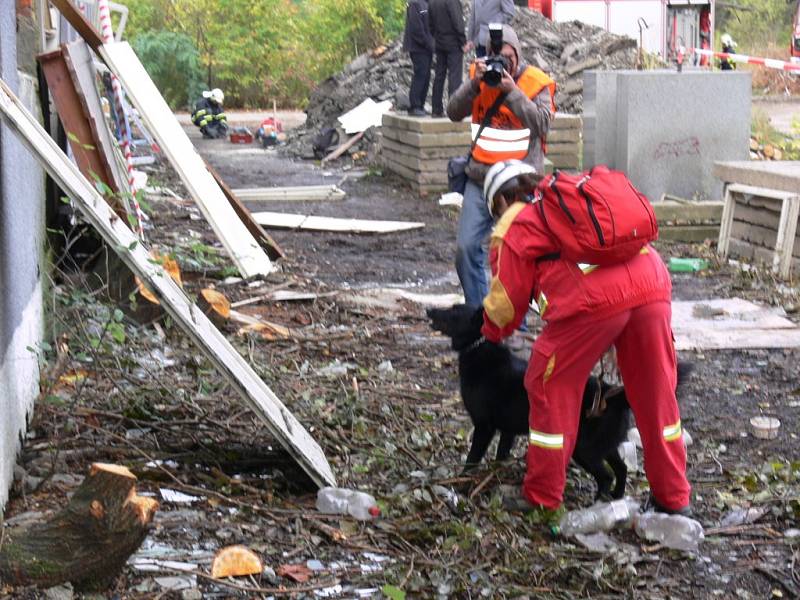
(424, 124)
(688, 212)
(423, 153)
(421, 140)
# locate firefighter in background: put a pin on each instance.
(729, 47)
(705, 35)
(586, 310)
(208, 115)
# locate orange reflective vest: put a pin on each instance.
(505, 137)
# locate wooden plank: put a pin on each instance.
(79, 23)
(782, 263)
(243, 249)
(262, 237)
(726, 222)
(311, 223)
(84, 142)
(80, 63)
(303, 193)
(233, 367)
(343, 147)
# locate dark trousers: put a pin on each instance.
(420, 80)
(449, 64)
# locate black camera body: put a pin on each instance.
(495, 62)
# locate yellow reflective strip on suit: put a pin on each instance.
(552, 441)
(542, 303)
(672, 432)
(551, 366)
(497, 304)
(586, 268)
(507, 135)
(496, 146)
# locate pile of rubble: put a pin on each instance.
(564, 50)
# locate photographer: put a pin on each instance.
(519, 101)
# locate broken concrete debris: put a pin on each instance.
(564, 50)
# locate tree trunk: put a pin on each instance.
(88, 542)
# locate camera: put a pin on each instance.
(495, 62)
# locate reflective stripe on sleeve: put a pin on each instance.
(552, 441)
(672, 432)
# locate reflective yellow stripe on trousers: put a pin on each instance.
(672, 432)
(551, 441)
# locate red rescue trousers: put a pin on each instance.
(562, 359)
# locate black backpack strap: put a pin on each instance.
(488, 117)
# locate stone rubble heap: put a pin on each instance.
(564, 50)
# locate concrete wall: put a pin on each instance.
(21, 244)
(666, 129)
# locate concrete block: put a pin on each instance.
(565, 121)
(760, 236)
(435, 177)
(774, 175)
(688, 212)
(589, 63)
(760, 256)
(564, 148)
(599, 118)
(568, 163)
(424, 124)
(428, 153)
(756, 216)
(421, 165)
(672, 127)
(563, 135)
(688, 233)
(420, 140)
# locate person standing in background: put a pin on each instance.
(483, 13)
(447, 27)
(418, 42)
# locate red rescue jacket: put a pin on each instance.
(562, 289)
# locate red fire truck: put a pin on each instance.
(662, 25)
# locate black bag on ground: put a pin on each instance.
(325, 139)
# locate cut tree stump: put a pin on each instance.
(88, 542)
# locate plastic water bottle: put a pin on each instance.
(627, 450)
(342, 501)
(672, 531)
(602, 516)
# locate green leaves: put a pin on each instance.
(393, 592)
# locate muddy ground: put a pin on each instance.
(389, 419)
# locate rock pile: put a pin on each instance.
(564, 50)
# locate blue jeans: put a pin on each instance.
(474, 226)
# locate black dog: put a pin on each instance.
(494, 395)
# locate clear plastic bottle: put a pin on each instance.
(602, 516)
(672, 531)
(342, 501)
(627, 450)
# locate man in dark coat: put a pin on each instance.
(447, 27)
(418, 42)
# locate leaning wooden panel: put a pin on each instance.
(81, 69)
(280, 422)
(248, 256)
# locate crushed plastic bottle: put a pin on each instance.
(342, 501)
(602, 516)
(672, 531)
(627, 450)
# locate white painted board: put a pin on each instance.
(243, 249)
(311, 223)
(276, 417)
(302, 193)
(731, 323)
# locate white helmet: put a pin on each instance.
(500, 174)
(727, 40)
(216, 95)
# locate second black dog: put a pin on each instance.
(493, 391)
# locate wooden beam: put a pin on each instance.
(231, 365)
(302, 193)
(311, 223)
(343, 147)
(262, 237)
(79, 22)
(240, 244)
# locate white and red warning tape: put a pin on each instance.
(122, 121)
(771, 63)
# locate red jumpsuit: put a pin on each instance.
(587, 309)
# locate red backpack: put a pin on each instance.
(598, 217)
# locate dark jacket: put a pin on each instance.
(417, 36)
(447, 25)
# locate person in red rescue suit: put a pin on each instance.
(517, 130)
(586, 310)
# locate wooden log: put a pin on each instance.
(88, 542)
